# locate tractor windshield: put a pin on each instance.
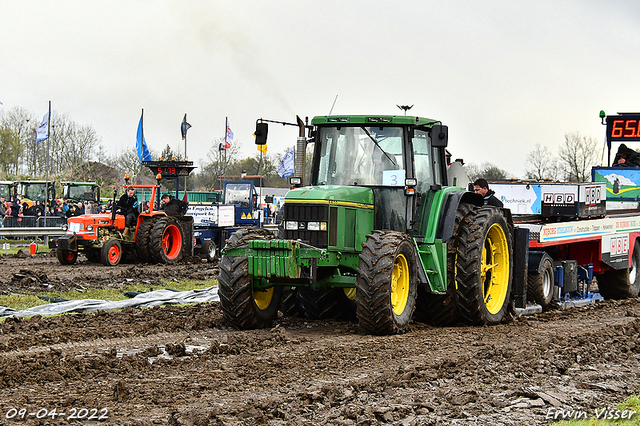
(33, 191)
(80, 193)
(238, 193)
(360, 155)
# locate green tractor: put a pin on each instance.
(381, 234)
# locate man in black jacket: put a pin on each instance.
(173, 206)
(128, 207)
(482, 187)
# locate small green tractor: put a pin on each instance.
(382, 234)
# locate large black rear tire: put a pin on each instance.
(387, 283)
(142, 239)
(165, 241)
(334, 303)
(441, 309)
(243, 307)
(289, 303)
(484, 268)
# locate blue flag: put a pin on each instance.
(286, 166)
(141, 144)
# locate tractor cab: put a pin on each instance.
(396, 157)
(81, 191)
(243, 195)
(37, 190)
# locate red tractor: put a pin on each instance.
(158, 238)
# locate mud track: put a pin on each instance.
(180, 365)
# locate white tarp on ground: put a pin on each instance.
(153, 298)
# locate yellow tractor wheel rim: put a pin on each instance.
(494, 269)
(400, 285)
(263, 298)
(350, 292)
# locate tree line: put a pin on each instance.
(573, 162)
(71, 145)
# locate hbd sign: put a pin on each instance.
(558, 198)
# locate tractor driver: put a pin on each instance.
(128, 207)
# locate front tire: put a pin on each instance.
(67, 257)
(111, 253)
(483, 268)
(387, 281)
(244, 307)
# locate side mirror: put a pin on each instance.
(439, 135)
(261, 133)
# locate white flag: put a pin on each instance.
(42, 132)
(286, 166)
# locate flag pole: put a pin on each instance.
(46, 201)
(185, 156)
(142, 139)
(224, 141)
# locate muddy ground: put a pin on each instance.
(180, 365)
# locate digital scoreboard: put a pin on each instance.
(623, 127)
(170, 169)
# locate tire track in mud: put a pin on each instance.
(124, 344)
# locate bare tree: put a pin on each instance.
(577, 156)
(486, 171)
(541, 164)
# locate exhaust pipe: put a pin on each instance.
(301, 151)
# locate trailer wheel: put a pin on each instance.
(440, 309)
(333, 303)
(634, 274)
(621, 283)
(483, 268)
(165, 241)
(208, 250)
(540, 286)
(67, 257)
(111, 253)
(244, 307)
(387, 282)
(142, 240)
(289, 303)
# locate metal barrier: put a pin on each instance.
(33, 221)
(31, 232)
(32, 226)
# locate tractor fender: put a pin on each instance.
(186, 224)
(449, 207)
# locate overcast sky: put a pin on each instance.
(503, 75)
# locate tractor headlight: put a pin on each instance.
(291, 225)
(89, 228)
(65, 227)
(317, 226)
